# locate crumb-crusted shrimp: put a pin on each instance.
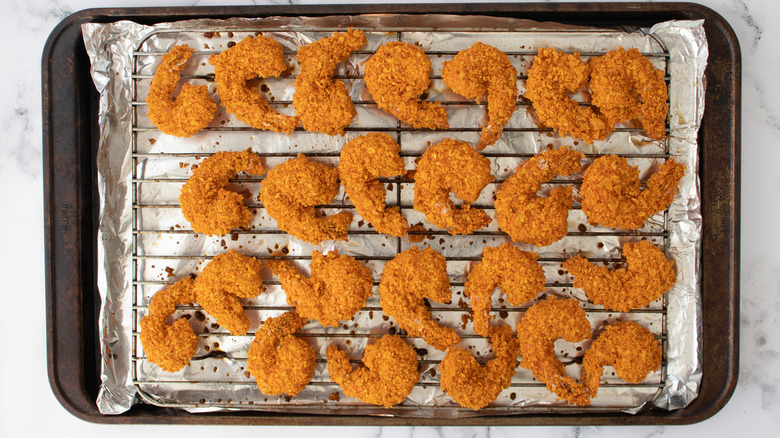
(482, 69)
(543, 324)
(170, 347)
(452, 166)
(396, 75)
(205, 202)
(528, 217)
(290, 192)
(649, 275)
(364, 160)
(338, 287)
(322, 104)
(624, 85)
(515, 271)
(612, 195)
(280, 362)
(252, 57)
(224, 281)
(191, 111)
(387, 376)
(407, 280)
(553, 76)
(473, 385)
(630, 348)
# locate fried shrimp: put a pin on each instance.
(387, 376)
(205, 202)
(515, 271)
(484, 69)
(553, 76)
(338, 287)
(252, 57)
(627, 346)
(169, 346)
(612, 195)
(364, 160)
(625, 85)
(323, 104)
(472, 385)
(290, 192)
(543, 324)
(223, 282)
(649, 275)
(452, 166)
(192, 110)
(528, 217)
(407, 280)
(280, 362)
(396, 75)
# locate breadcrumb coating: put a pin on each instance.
(290, 192)
(223, 282)
(322, 104)
(508, 267)
(280, 362)
(630, 348)
(612, 195)
(387, 376)
(452, 166)
(364, 160)
(396, 75)
(649, 275)
(338, 287)
(472, 385)
(252, 57)
(528, 217)
(407, 280)
(170, 347)
(207, 205)
(543, 324)
(482, 69)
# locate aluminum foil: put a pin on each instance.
(146, 221)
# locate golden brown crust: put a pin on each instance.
(338, 287)
(280, 362)
(290, 192)
(508, 267)
(612, 195)
(530, 218)
(396, 75)
(451, 166)
(252, 57)
(387, 376)
(205, 202)
(407, 280)
(484, 69)
(323, 104)
(649, 275)
(364, 160)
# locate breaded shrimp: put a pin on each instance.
(387, 376)
(205, 202)
(338, 287)
(649, 275)
(484, 69)
(169, 346)
(364, 160)
(396, 75)
(508, 267)
(290, 192)
(451, 166)
(407, 280)
(322, 104)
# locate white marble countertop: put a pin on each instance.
(28, 407)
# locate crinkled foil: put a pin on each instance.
(216, 378)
